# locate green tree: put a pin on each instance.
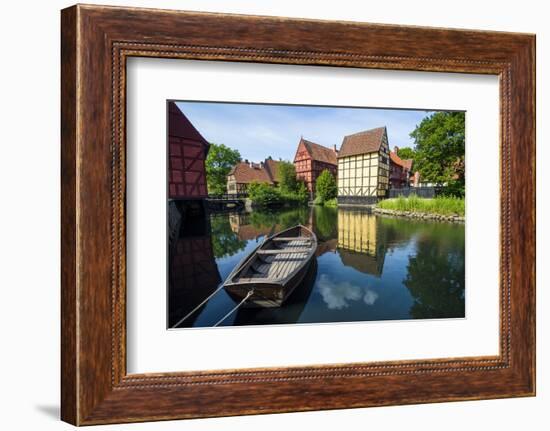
(219, 162)
(287, 177)
(264, 194)
(301, 191)
(439, 142)
(325, 186)
(406, 153)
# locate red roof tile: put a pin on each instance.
(266, 172)
(407, 164)
(319, 152)
(272, 167)
(362, 142)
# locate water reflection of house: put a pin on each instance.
(193, 275)
(245, 230)
(360, 241)
(326, 247)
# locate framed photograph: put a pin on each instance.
(329, 214)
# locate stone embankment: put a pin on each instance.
(419, 215)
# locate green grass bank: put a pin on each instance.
(440, 205)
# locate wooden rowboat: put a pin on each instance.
(269, 274)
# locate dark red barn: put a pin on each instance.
(187, 151)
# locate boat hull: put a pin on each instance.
(267, 295)
(270, 273)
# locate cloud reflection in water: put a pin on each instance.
(338, 295)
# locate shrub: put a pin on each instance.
(455, 189)
(325, 186)
(287, 177)
(302, 191)
(332, 203)
(263, 194)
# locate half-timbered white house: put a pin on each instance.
(363, 167)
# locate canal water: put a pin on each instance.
(367, 268)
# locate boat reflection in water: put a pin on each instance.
(366, 268)
(289, 313)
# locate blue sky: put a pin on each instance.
(259, 131)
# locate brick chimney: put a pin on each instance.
(395, 149)
(334, 149)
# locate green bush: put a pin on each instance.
(288, 182)
(455, 189)
(332, 203)
(263, 194)
(444, 205)
(325, 186)
(302, 191)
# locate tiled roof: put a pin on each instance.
(319, 152)
(245, 172)
(407, 164)
(362, 142)
(273, 169)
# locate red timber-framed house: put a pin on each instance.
(244, 173)
(311, 159)
(401, 173)
(187, 150)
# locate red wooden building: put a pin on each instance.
(187, 151)
(400, 171)
(311, 159)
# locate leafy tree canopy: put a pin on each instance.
(287, 177)
(219, 162)
(301, 190)
(439, 142)
(406, 153)
(264, 194)
(325, 186)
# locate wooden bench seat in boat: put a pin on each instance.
(283, 251)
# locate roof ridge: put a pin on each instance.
(319, 152)
(366, 141)
(320, 146)
(365, 131)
